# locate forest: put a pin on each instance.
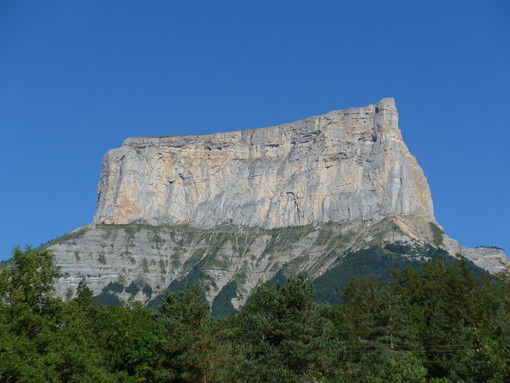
(439, 322)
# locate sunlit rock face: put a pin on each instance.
(232, 210)
(339, 167)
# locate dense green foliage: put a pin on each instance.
(439, 323)
(373, 261)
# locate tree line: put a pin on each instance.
(440, 323)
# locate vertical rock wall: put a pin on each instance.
(343, 166)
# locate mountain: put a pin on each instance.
(231, 210)
(339, 167)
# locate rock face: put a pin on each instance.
(340, 167)
(235, 209)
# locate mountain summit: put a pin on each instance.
(232, 210)
(343, 166)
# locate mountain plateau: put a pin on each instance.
(232, 210)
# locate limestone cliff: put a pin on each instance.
(232, 210)
(340, 167)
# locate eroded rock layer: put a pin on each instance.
(233, 260)
(343, 166)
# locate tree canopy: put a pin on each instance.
(440, 323)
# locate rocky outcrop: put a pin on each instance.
(235, 209)
(343, 166)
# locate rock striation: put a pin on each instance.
(231, 210)
(343, 166)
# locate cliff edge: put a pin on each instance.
(339, 167)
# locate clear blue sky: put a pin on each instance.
(77, 77)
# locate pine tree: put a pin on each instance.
(194, 347)
(288, 337)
